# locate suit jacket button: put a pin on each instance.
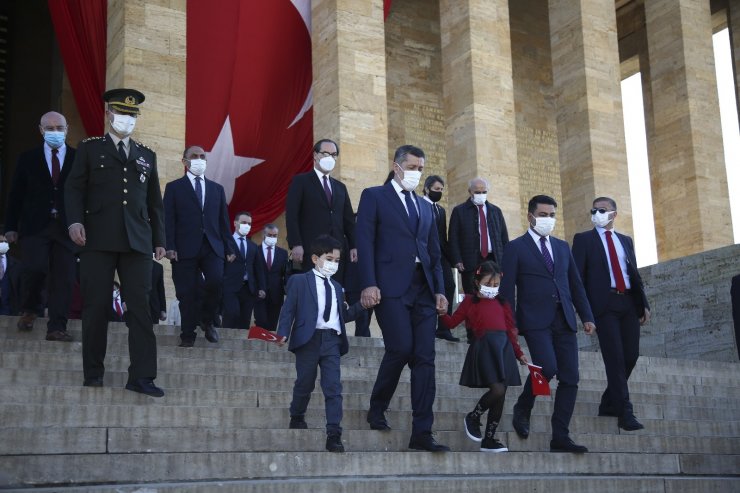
(124, 169)
(125, 180)
(124, 202)
(125, 191)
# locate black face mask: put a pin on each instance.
(434, 196)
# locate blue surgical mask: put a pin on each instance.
(54, 139)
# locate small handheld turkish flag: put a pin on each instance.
(256, 332)
(540, 385)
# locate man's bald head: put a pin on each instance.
(53, 119)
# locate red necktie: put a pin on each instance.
(55, 168)
(483, 232)
(269, 257)
(119, 311)
(614, 260)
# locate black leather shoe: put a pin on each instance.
(93, 382)
(608, 412)
(425, 441)
(567, 445)
(145, 386)
(298, 423)
(59, 335)
(446, 335)
(211, 333)
(520, 421)
(378, 422)
(334, 443)
(186, 344)
(630, 423)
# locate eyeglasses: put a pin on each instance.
(327, 154)
(600, 210)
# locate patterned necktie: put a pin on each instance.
(55, 168)
(199, 191)
(413, 215)
(483, 232)
(242, 247)
(546, 255)
(122, 151)
(269, 257)
(614, 261)
(327, 305)
(327, 190)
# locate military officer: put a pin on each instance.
(115, 214)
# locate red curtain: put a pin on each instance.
(386, 8)
(80, 26)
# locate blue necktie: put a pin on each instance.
(546, 255)
(199, 191)
(413, 215)
(243, 251)
(327, 305)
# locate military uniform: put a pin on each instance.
(119, 203)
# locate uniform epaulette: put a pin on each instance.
(142, 145)
(92, 138)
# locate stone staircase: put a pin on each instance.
(223, 426)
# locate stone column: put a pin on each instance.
(479, 101)
(689, 181)
(349, 88)
(146, 51)
(586, 80)
(733, 23)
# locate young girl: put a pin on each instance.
(490, 360)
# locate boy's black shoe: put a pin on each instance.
(334, 443)
(425, 441)
(297, 423)
(145, 386)
(567, 445)
(520, 422)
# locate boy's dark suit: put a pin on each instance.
(240, 295)
(10, 287)
(267, 311)
(547, 320)
(617, 315)
(314, 347)
(200, 236)
(45, 243)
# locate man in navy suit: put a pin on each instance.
(401, 276)
(608, 267)
(244, 283)
(197, 230)
(318, 204)
(36, 218)
(273, 262)
(542, 272)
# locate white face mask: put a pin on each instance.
(270, 241)
(244, 229)
(197, 166)
(4, 247)
(410, 179)
(329, 268)
(123, 124)
(544, 225)
(327, 164)
(600, 220)
(480, 198)
(489, 292)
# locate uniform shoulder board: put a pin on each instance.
(90, 139)
(142, 145)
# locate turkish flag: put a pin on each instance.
(256, 332)
(540, 385)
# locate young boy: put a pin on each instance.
(313, 316)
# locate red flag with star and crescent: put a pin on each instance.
(249, 99)
(257, 332)
(540, 385)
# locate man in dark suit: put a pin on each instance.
(542, 272)
(608, 267)
(197, 227)
(272, 261)
(9, 281)
(399, 260)
(114, 210)
(157, 299)
(36, 218)
(433, 187)
(318, 204)
(243, 281)
(477, 233)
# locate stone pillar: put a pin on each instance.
(733, 24)
(479, 101)
(586, 80)
(146, 51)
(349, 88)
(688, 177)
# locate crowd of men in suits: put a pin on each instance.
(102, 203)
